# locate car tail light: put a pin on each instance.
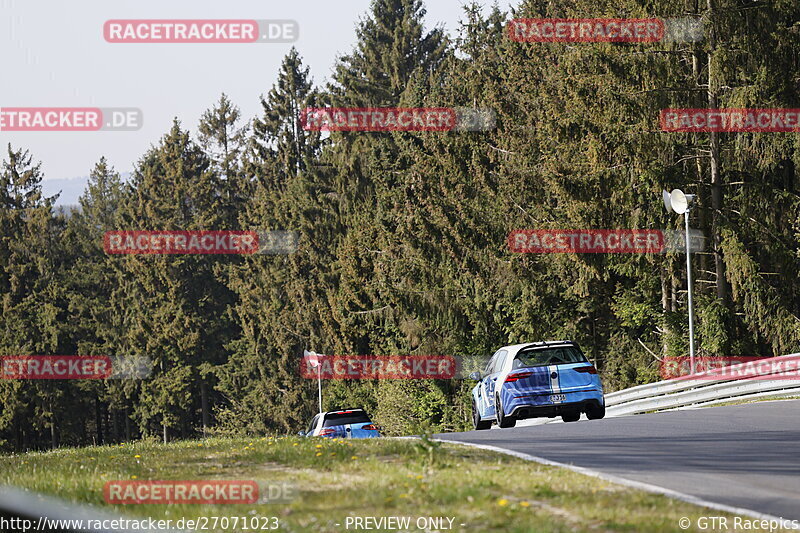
(326, 432)
(371, 427)
(586, 369)
(514, 377)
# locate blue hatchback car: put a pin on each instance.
(543, 379)
(344, 424)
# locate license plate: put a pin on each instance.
(558, 398)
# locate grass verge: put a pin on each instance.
(480, 490)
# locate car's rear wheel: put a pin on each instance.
(595, 412)
(503, 420)
(571, 417)
(477, 423)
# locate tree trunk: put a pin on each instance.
(723, 290)
(665, 302)
(53, 442)
(18, 433)
(98, 421)
(674, 301)
(204, 405)
(114, 426)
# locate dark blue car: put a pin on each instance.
(344, 424)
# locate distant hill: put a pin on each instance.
(71, 188)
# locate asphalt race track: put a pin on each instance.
(745, 456)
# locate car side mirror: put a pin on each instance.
(301, 433)
(475, 375)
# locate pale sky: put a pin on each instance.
(53, 55)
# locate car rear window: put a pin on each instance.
(342, 419)
(548, 356)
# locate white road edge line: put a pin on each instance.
(688, 498)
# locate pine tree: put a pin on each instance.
(281, 297)
(172, 308)
(89, 285)
(30, 258)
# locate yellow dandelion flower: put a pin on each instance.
(502, 502)
(419, 477)
(137, 456)
(134, 477)
(319, 453)
(525, 504)
(295, 444)
(354, 457)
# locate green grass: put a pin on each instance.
(483, 490)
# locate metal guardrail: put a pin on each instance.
(712, 387)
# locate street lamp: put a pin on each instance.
(681, 203)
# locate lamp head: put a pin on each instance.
(667, 203)
(680, 202)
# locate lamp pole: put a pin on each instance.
(319, 380)
(679, 202)
(689, 288)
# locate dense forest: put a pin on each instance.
(403, 235)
